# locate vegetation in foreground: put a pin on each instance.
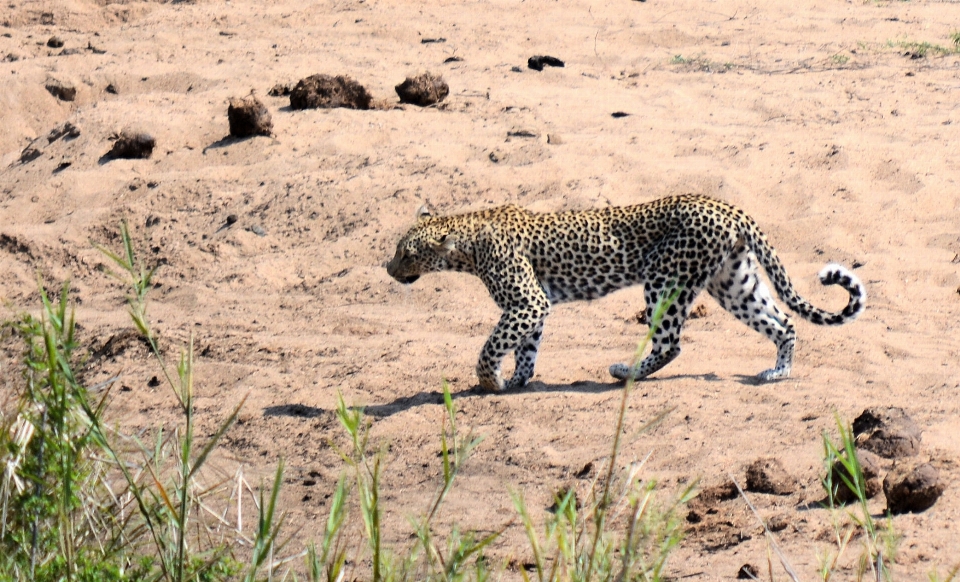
(81, 500)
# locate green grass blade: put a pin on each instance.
(215, 439)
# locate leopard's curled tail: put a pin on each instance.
(832, 274)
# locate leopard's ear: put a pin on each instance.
(424, 212)
(444, 245)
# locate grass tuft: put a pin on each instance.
(622, 531)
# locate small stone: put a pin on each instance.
(538, 62)
(721, 492)
(55, 42)
(64, 130)
(696, 313)
(324, 92)
(248, 117)
(888, 432)
(554, 139)
(61, 90)
(748, 572)
(231, 218)
(525, 133)
(778, 522)
(424, 89)
(767, 475)
(29, 154)
(870, 464)
(112, 89)
(257, 230)
(911, 487)
(279, 90)
(699, 311)
(132, 145)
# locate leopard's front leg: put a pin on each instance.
(526, 358)
(513, 285)
(519, 331)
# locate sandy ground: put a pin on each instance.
(814, 117)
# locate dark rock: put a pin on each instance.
(55, 42)
(132, 146)
(888, 432)
(67, 129)
(60, 90)
(112, 89)
(521, 133)
(912, 487)
(248, 116)
(279, 90)
(699, 311)
(538, 62)
(715, 520)
(768, 476)
(778, 522)
(748, 572)
(324, 91)
(424, 89)
(870, 464)
(715, 494)
(29, 154)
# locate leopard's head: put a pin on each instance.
(425, 248)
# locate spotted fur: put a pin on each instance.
(531, 261)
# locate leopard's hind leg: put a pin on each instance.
(665, 341)
(666, 336)
(739, 289)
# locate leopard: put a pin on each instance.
(675, 247)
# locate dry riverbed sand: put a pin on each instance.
(834, 124)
